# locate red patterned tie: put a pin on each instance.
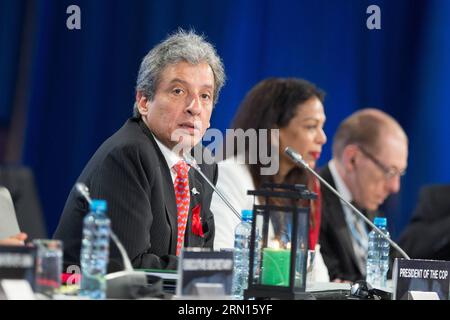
(183, 198)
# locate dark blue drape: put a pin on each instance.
(11, 19)
(81, 83)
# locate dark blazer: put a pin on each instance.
(131, 174)
(335, 237)
(428, 234)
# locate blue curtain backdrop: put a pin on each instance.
(80, 83)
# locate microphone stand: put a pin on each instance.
(297, 158)
(191, 162)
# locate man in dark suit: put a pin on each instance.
(155, 207)
(370, 151)
(428, 234)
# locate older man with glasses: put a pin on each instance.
(370, 151)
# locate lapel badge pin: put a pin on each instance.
(194, 191)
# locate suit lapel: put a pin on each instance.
(170, 205)
(194, 182)
(169, 191)
(342, 231)
(336, 212)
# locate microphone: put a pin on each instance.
(121, 284)
(297, 158)
(193, 164)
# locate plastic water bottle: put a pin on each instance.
(95, 251)
(378, 256)
(242, 236)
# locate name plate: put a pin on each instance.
(417, 279)
(205, 273)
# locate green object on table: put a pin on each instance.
(275, 269)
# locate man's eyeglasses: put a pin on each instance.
(389, 172)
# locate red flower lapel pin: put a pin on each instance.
(197, 227)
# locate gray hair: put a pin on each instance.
(180, 46)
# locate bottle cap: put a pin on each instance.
(247, 215)
(98, 205)
(380, 222)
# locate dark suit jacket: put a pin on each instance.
(335, 237)
(130, 173)
(428, 234)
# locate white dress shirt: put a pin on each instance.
(171, 157)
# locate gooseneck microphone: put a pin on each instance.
(121, 284)
(191, 162)
(297, 158)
